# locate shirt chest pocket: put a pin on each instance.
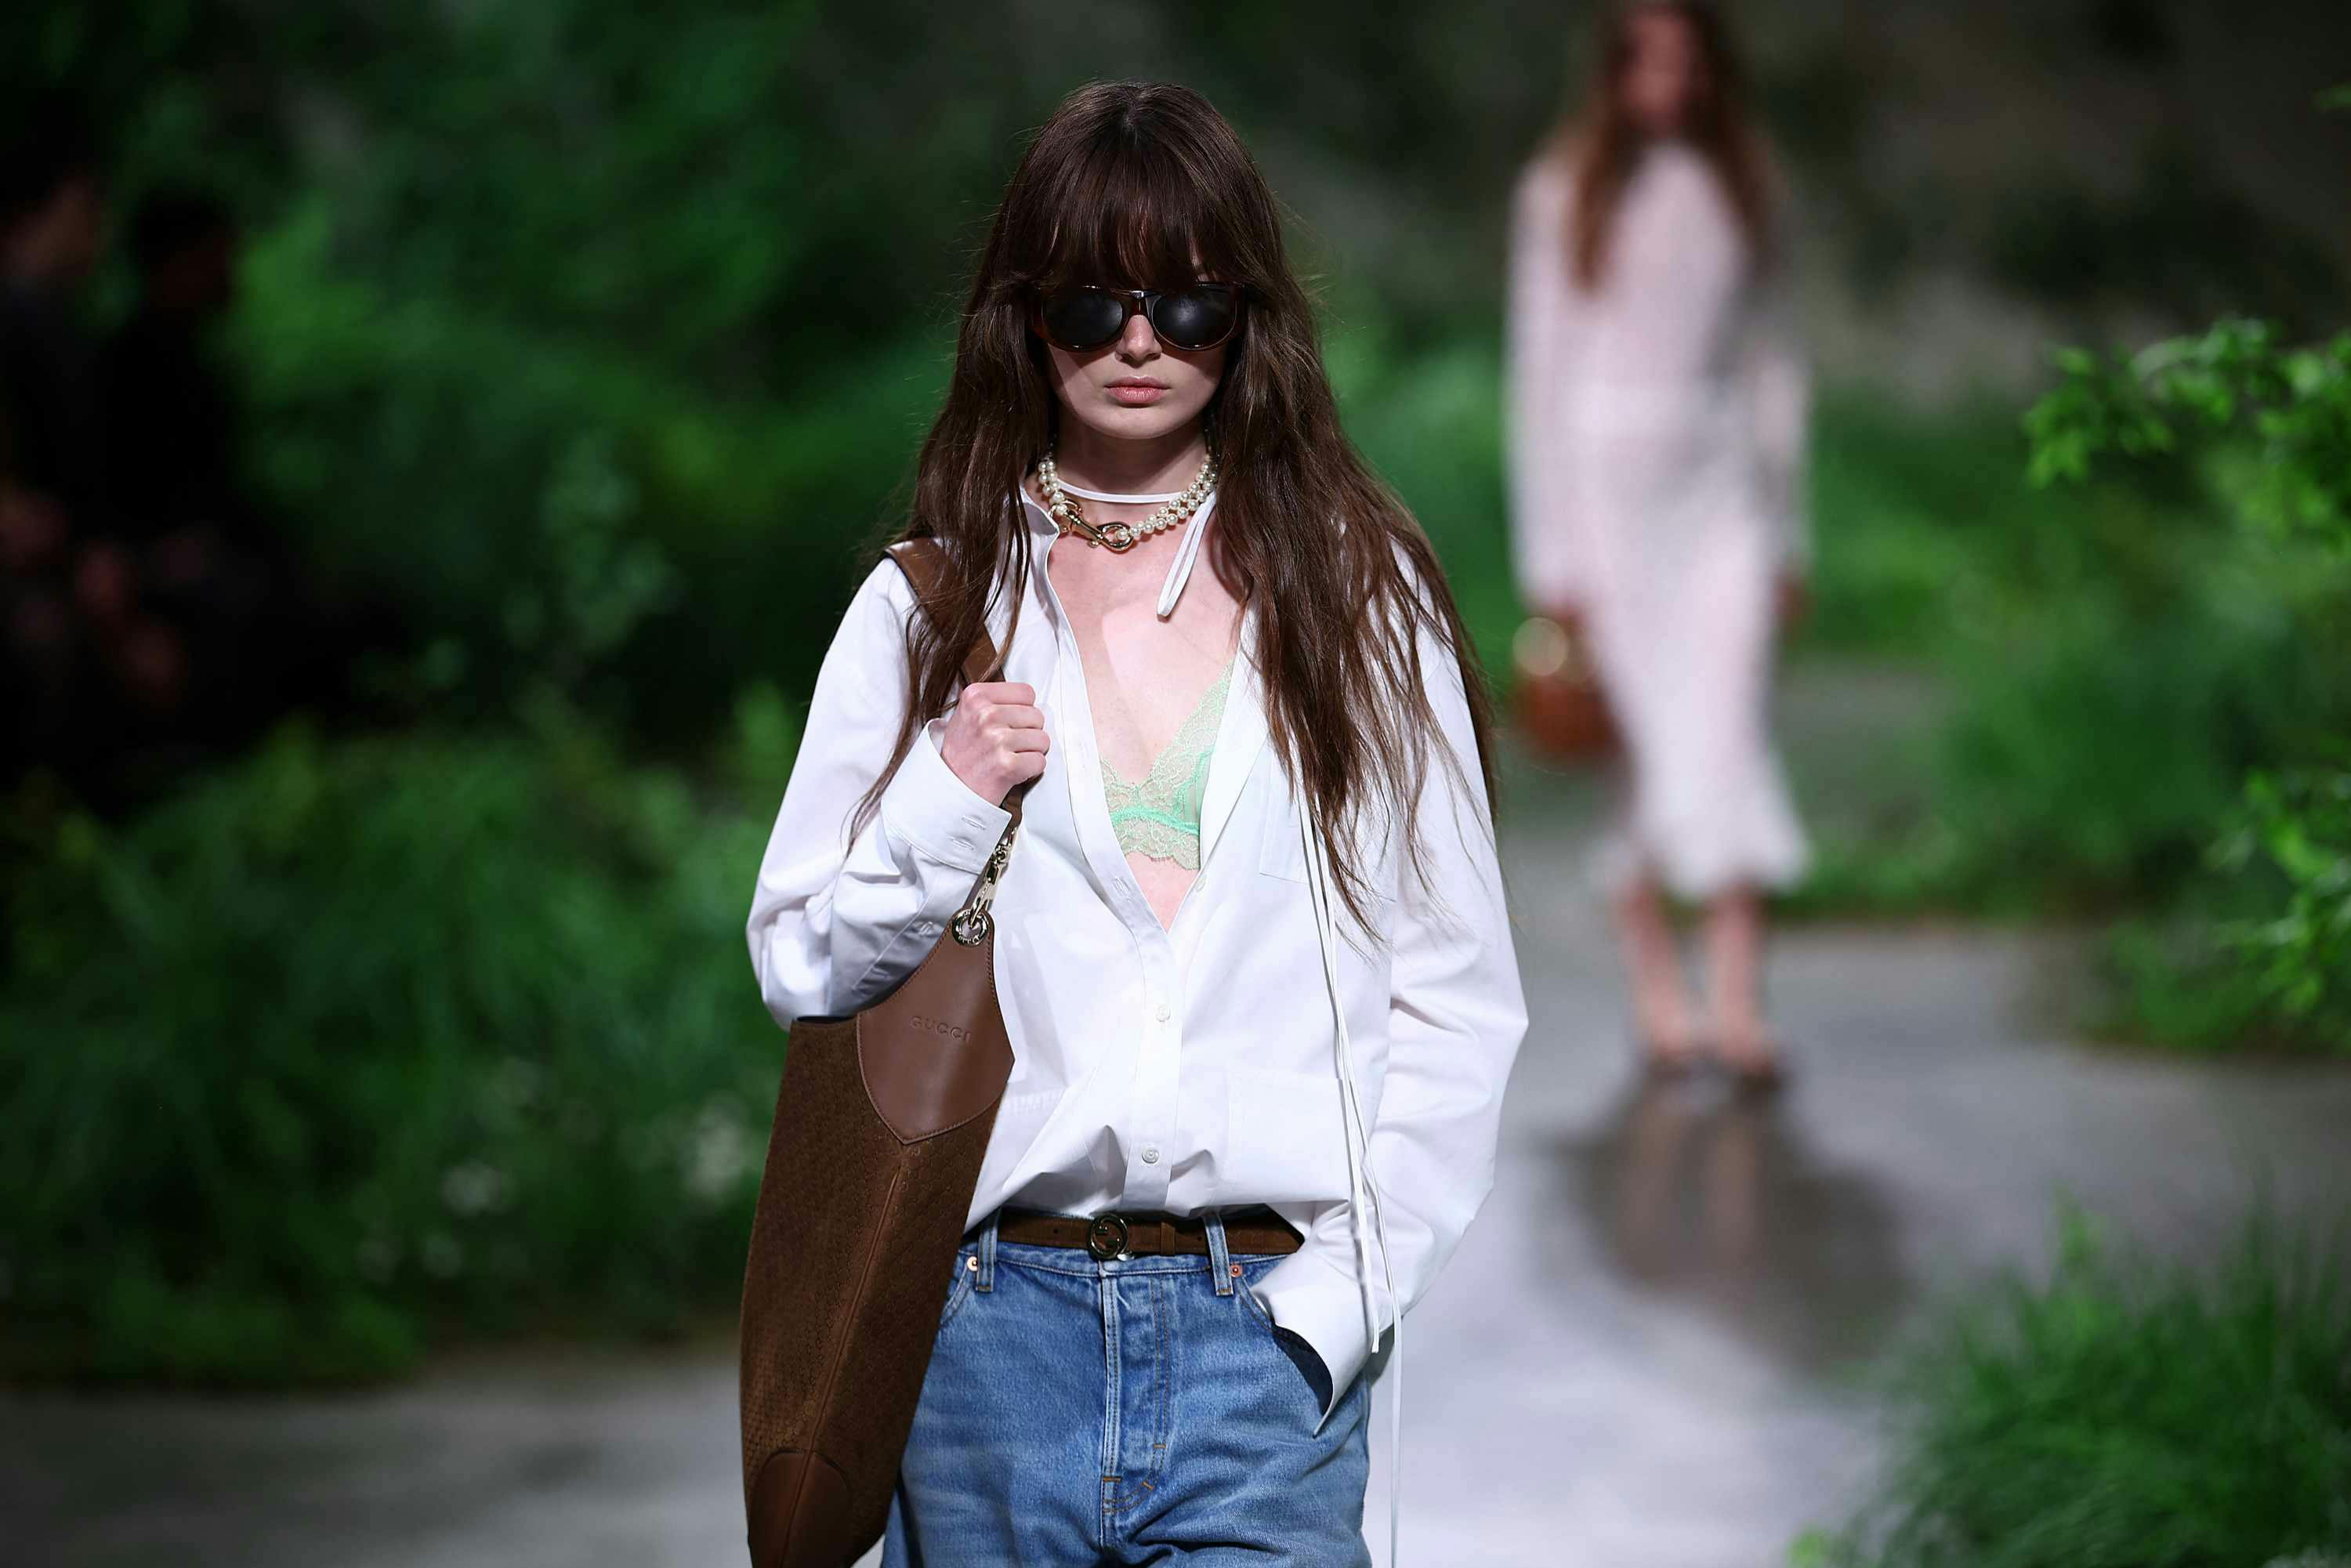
(1281, 852)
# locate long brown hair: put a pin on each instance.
(1601, 144)
(1125, 184)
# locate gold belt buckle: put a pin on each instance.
(1106, 1237)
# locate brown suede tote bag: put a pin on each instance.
(881, 1124)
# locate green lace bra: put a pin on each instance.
(1159, 815)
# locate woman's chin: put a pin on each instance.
(1148, 422)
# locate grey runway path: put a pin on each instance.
(1644, 1355)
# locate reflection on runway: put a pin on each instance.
(1712, 1197)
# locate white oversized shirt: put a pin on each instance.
(1175, 1068)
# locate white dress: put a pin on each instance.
(1657, 430)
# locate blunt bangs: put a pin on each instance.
(1128, 212)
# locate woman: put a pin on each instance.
(1155, 1343)
(1658, 408)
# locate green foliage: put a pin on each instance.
(2299, 824)
(1429, 419)
(2295, 402)
(489, 247)
(2274, 425)
(360, 1038)
(2170, 977)
(2120, 1414)
(2124, 644)
(497, 452)
(2116, 657)
(1928, 536)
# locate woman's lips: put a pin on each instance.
(1137, 395)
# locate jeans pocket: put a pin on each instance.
(960, 1288)
(1257, 1309)
(1308, 1362)
(1293, 1346)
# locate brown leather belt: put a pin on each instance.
(1145, 1233)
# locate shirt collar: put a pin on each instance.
(1040, 522)
(1179, 572)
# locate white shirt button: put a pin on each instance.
(1162, 1012)
(1151, 1155)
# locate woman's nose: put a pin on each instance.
(1138, 341)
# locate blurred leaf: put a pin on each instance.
(2121, 1411)
(319, 994)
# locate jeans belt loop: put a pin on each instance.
(1219, 1254)
(987, 1281)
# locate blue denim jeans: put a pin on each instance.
(1132, 1410)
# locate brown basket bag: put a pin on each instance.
(1558, 703)
(881, 1124)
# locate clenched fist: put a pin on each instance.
(994, 737)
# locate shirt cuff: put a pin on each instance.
(928, 806)
(1307, 1295)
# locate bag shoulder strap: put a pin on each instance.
(924, 562)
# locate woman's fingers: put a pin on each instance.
(1001, 694)
(996, 736)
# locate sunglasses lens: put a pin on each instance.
(1077, 318)
(1195, 318)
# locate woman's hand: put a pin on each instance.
(994, 737)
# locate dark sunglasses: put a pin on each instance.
(1194, 317)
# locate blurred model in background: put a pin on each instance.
(1658, 402)
(155, 614)
(75, 645)
(213, 562)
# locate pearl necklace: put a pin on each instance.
(1062, 507)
